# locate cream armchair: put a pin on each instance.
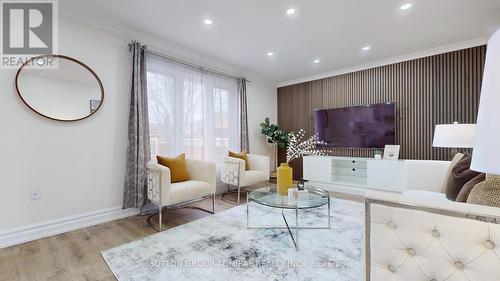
(233, 171)
(163, 193)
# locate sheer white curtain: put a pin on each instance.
(191, 111)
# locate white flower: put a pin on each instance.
(298, 148)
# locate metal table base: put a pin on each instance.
(295, 238)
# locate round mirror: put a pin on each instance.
(59, 87)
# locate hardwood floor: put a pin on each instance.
(76, 255)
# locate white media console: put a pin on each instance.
(356, 175)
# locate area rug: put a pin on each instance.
(220, 247)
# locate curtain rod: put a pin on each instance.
(188, 63)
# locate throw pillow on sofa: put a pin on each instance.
(459, 176)
(467, 188)
(454, 161)
(487, 192)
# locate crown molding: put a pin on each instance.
(412, 56)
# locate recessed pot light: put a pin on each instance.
(290, 11)
(316, 61)
(366, 48)
(405, 6)
(208, 21)
(270, 54)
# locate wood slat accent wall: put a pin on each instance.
(433, 90)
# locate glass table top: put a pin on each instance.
(269, 196)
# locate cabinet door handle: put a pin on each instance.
(353, 169)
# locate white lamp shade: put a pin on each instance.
(454, 135)
(486, 157)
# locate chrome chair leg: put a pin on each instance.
(229, 191)
(159, 218)
(176, 207)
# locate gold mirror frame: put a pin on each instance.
(31, 60)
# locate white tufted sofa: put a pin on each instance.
(415, 237)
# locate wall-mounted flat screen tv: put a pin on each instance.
(367, 126)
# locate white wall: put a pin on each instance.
(79, 167)
(262, 102)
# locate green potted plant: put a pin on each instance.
(275, 136)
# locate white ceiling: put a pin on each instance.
(332, 30)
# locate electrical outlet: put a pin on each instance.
(35, 195)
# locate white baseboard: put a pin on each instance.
(37, 231)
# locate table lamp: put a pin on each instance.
(454, 135)
(486, 156)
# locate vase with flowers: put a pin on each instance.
(296, 148)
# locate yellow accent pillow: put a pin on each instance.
(241, 155)
(178, 167)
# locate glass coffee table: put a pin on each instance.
(268, 196)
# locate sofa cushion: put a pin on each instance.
(251, 177)
(467, 188)
(187, 190)
(178, 167)
(459, 176)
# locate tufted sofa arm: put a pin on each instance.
(442, 205)
(413, 241)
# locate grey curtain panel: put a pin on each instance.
(138, 151)
(242, 91)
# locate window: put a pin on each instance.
(191, 111)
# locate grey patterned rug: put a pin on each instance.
(220, 247)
